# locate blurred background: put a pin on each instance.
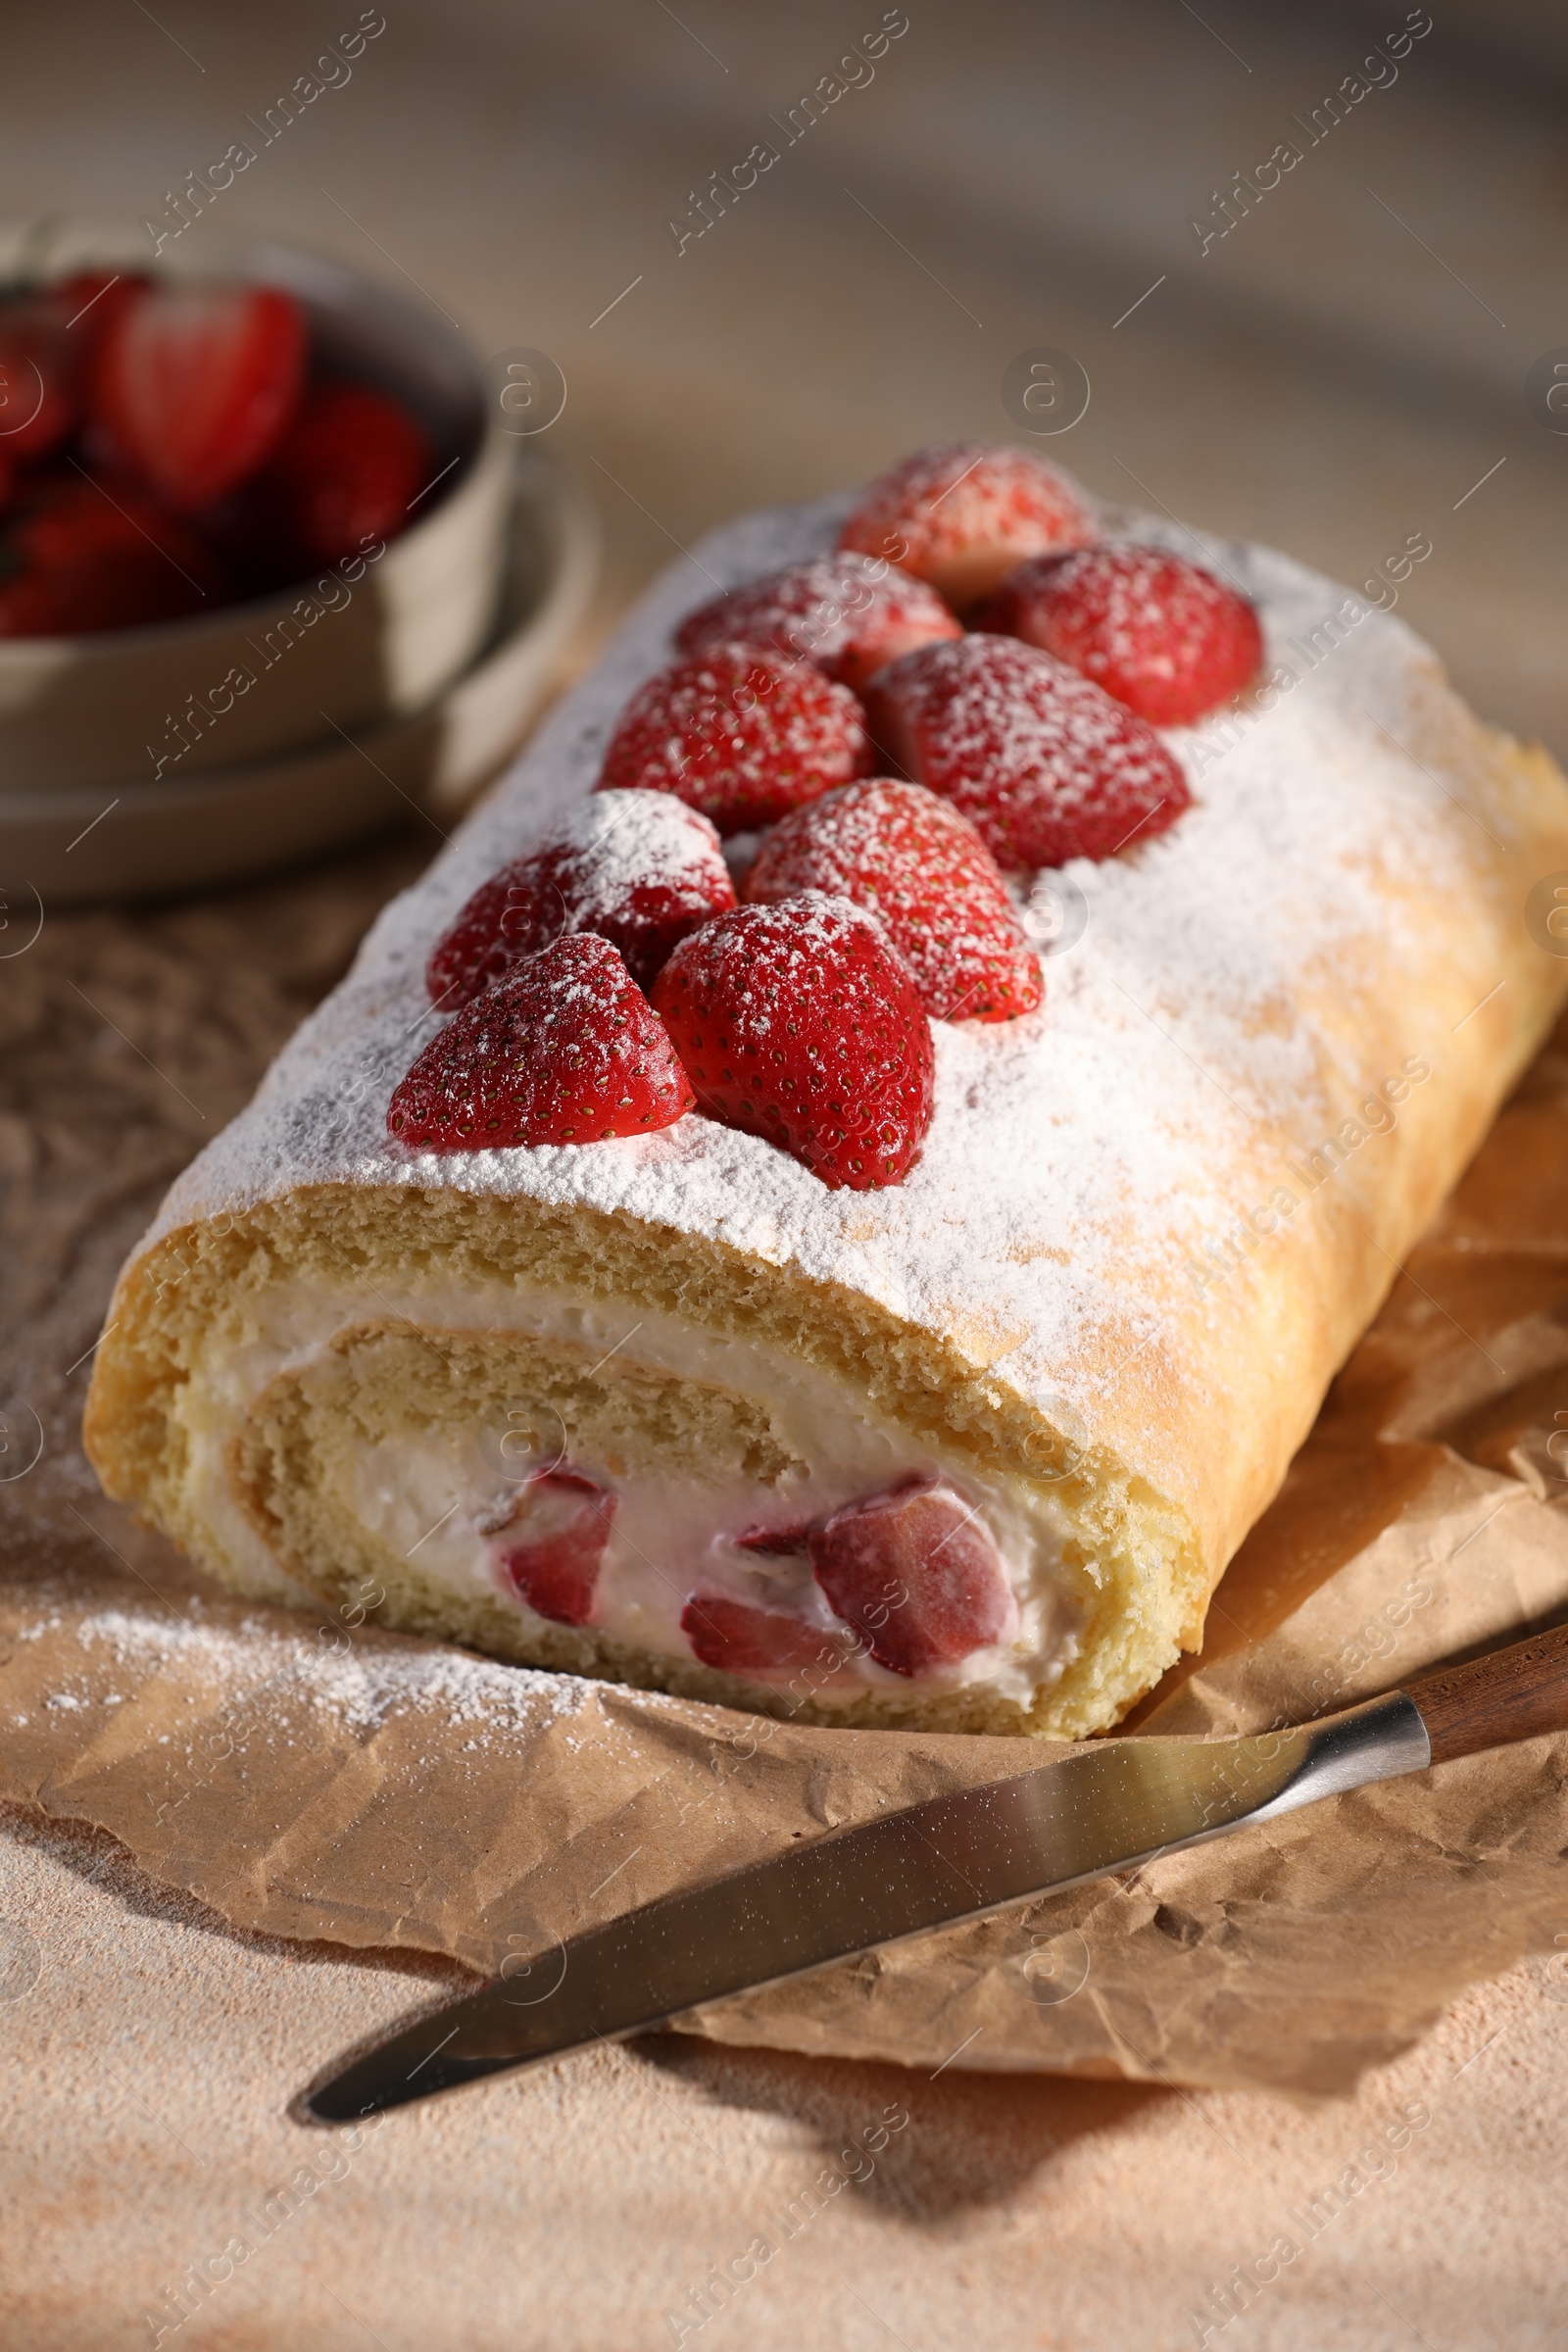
(1347, 365)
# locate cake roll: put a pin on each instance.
(957, 1433)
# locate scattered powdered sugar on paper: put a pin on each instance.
(361, 1684)
(1076, 1154)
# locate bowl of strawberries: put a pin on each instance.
(247, 497)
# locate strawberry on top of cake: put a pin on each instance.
(967, 689)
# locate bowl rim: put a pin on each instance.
(489, 460)
(549, 512)
(528, 655)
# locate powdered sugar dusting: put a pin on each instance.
(641, 869)
(562, 1049)
(836, 605)
(1079, 1156)
(1046, 765)
(794, 1022)
(1159, 632)
(944, 499)
(636, 838)
(741, 733)
(917, 865)
(361, 1685)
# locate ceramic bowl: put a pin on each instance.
(105, 709)
(203, 828)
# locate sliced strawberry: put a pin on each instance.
(640, 869)
(799, 1023)
(920, 867)
(1162, 635)
(916, 1574)
(552, 1546)
(40, 380)
(194, 385)
(563, 1050)
(741, 1637)
(776, 1542)
(844, 613)
(741, 734)
(1047, 765)
(345, 473)
(963, 513)
(83, 559)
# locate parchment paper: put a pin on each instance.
(332, 1783)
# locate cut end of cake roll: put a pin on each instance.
(506, 1428)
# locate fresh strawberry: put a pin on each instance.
(963, 513)
(1048, 766)
(640, 869)
(741, 734)
(88, 302)
(41, 382)
(798, 1022)
(47, 336)
(916, 1575)
(920, 867)
(554, 1544)
(742, 1638)
(81, 559)
(563, 1050)
(193, 385)
(345, 473)
(1162, 635)
(844, 613)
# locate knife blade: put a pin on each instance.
(925, 1866)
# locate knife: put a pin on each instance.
(1110, 1807)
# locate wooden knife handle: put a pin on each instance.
(1513, 1693)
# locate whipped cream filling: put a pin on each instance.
(451, 1499)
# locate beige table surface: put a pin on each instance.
(1338, 372)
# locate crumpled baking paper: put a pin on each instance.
(330, 1781)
